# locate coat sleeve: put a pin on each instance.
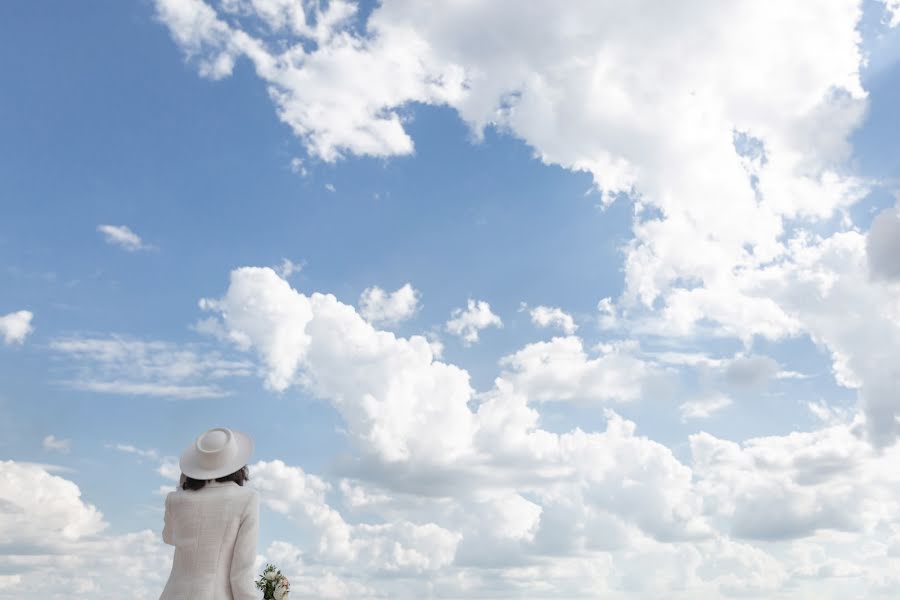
(242, 575)
(167, 523)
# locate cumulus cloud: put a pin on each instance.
(389, 404)
(16, 326)
(796, 485)
(121, 365)
(467, 323)
(504, 80)
(604, 505)
(855, 320)
(732, 158)
(409, 414)
(62, 517)
(355, 112)
(122, 236)
(546, 316)
(883, 245)
(561, 370)
(399, 546)
(48, 533)
(380, 307)
(584, 492)
(729, 154)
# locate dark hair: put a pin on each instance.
(239, 477)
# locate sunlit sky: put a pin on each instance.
(518, 300)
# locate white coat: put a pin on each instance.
(214, 531)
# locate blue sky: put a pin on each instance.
(110, 116)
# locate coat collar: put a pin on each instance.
(214, 483)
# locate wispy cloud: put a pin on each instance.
(53, 444)
(704, 406)
(120, 365)
(298, 167)
(123, 236)
(131, 388)
(289, 267)
(150, 454)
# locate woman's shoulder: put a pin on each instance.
(247, 495)
(234, 489)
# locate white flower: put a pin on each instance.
(271, 575)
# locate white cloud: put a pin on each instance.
(893, 9)
(731, 154)
(317, 581)
(380, 307)
(201, 35)
(578, 482)
(399, 546)
(329, 187)
(416, 55)
(829, 415)
(328, 114)
(150, 454)
(561, 370)
(608, 314)
(796, 485)
(277, 14)
(120, 365)
(410, 419)
(546, 316)
(122, 236)
(883, 245)
(601, 506)
(670, 134)
(467, 323)
(49, 534)
(856, 320)
(61, 517)
(169, 468)
(389, 402)
(704, 406)
(53, 444)
(161, 390)
(16, 326)
(289, 267)
(298, 167)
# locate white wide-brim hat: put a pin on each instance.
(216, 453)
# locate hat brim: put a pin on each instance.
(190, 466)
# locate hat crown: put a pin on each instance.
(215, 448)
(214, 440)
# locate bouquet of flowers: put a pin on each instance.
(273, 584)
